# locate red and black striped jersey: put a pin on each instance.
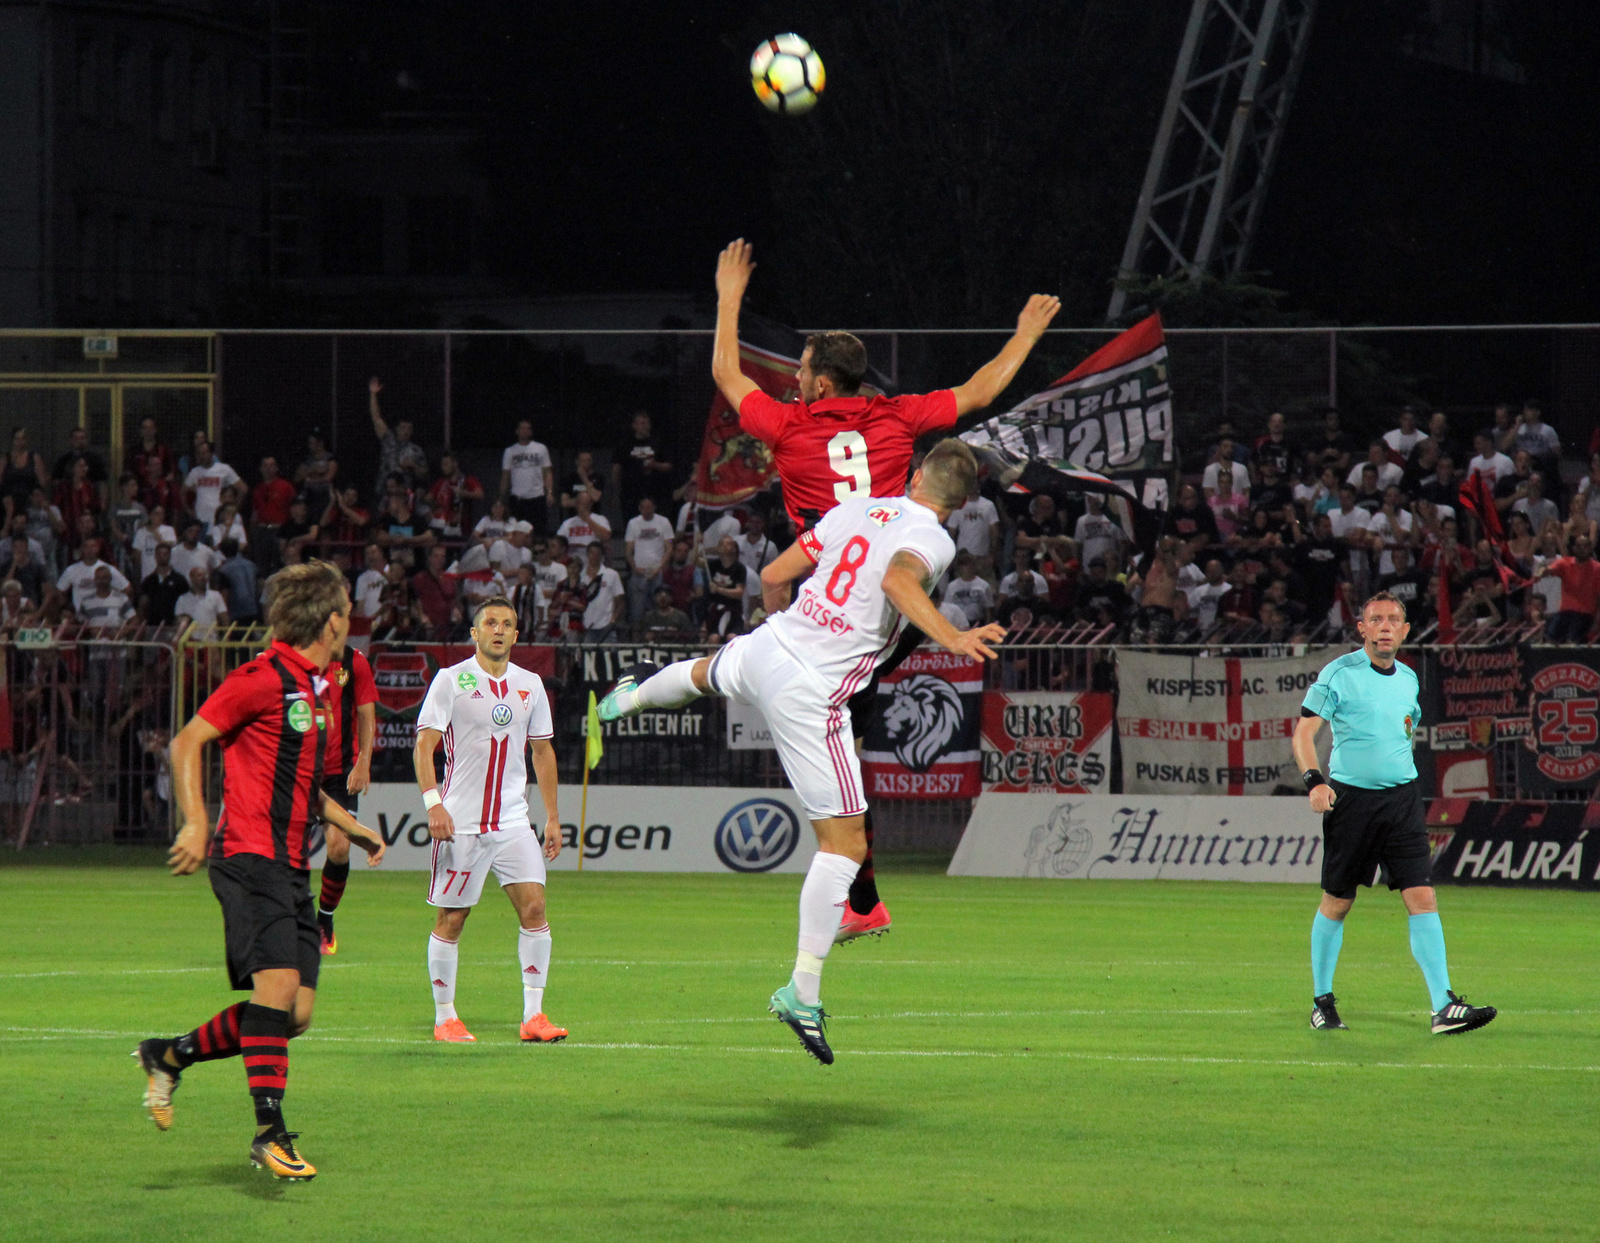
(273, 717)
(350, 686)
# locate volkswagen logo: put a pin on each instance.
(501, 714)
(757, 835)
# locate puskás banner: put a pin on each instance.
(1046, 741)
(923, 740)
(1192, 725)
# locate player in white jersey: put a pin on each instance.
(480, 709)
(871, 563)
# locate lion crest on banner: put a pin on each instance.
(922, 720)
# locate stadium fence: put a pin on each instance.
(85, 722)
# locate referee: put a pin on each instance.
(1372, 810)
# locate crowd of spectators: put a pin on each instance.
(1273, 538)
(1277, 540)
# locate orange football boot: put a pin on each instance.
(540, 1030)
(454, 1031)
(874, 923)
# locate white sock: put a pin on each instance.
(671, 688)
(533, 952)
(822, 900)
(442, 957)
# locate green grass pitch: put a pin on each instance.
(1016, 1060)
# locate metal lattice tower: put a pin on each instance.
(1220, 130)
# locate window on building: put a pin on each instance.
(439, 235)
(123, 252)
(352, 235)
(125, 82)
(88, 77)
(163, 107)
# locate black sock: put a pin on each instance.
(264, 1041)
(864, 888)
(334, 876)
(218, 1037)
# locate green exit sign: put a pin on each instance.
(99, 347)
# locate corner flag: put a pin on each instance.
(595, 745)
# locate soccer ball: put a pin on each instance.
(787, 74)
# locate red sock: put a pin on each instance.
(334, 876)
(217, 1037)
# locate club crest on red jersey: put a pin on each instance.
(883, 515)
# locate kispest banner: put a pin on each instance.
(1055, 742)
(403, 673)
(1111, 414)
(1115, 837)
(628, 829)
(923, 740)
(1563, 750)
(1213, 725)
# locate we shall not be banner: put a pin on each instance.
(1192, 725)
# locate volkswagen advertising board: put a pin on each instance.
(629, 829)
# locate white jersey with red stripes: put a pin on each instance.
(842, 624)
(486, 723)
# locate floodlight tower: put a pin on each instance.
(1219, 134)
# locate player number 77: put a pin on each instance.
(847, 454)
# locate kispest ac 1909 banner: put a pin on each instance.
(1121, 837)
(923, 740)
(1050, 741)
(403, 675)
(1192, 725)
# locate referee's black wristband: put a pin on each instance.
(1313, 778)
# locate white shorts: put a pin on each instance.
(461, 866)
(810, 732)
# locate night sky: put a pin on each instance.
(964, 155)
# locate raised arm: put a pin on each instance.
(990, 380)
(733, 274)
(904, 584)
(374, 387)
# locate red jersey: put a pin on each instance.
(272, 714)
(833, 450)
(1580, 584)
(270, 499)
(350, 686)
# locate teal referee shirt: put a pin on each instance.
(1373, 713)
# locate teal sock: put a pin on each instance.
(1427, 947)
(1327, 935)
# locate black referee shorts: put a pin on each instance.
(865, 700)
(269, 921)
(1369, 828)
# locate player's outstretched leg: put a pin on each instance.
(1452, 1014)
(823, 898)
(1327, 936)
(645, 686)
(335, 874)
(442, 958)
(533, 953)
(164, 1061)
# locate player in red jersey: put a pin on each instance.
(270, 718)
(352, 724)
(834, 444)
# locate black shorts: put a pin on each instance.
(269, 921)
(1369, 828)
(335, 789)
(532, 509)
(865, 700)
